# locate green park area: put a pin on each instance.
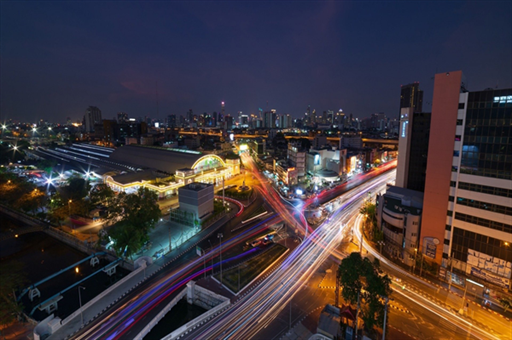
(236, 193)
(247, 271)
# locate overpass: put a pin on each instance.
(382, 141)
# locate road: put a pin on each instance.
(424, 296)
(128, 316)
(251, 316)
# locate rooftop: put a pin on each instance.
(197, 186)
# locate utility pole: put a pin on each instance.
(464, 297)
(290, 328)
(357, 314)
(204, 262)
(211, 247)
(421, 268)
(170, 239)
(385, 318)
(220, 236)
(80, 302)
(223, 202)
(451, 270)
(414, 264)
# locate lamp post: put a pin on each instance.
(385, 317)
(69, 207)
(362, 231)
(414, 264)
(220, 236)
(381, 243)
(461, 311)
(80, 302)
(211, 247)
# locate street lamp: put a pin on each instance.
(220, 236)
(414, 264)
(211, 247)
(381, 243)
(69, 207)
(80, 301)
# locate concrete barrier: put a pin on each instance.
(160, 315)
(189, 326)
(102, 295)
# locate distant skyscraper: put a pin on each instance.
(171, 121)
(92, 116)
(122, 117)
(223, 109)
(190, 117)
(411, 96)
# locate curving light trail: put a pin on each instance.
(256, 310)
(120, 320)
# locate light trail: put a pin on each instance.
(115, 324)
(418, 299)
(254, 312)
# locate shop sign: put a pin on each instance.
(489, 277)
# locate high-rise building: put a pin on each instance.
(122, 117)
(412, 149)
(411, 96)
(190, 117)
(467, 214)
(92, 116)
(171, 121)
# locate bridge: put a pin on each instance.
(366, 141)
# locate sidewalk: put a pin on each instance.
(453, 298)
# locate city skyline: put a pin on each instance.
(166, 58)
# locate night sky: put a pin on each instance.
(57, 58)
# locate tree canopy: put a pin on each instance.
(359, 275)
(12, 278)
(140, 213)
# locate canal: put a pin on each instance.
(40, 256)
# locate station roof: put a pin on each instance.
(163, 159)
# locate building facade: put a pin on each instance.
(197, 199)
(297, 158)
(411, 96)
(468, 191)
(92, 116)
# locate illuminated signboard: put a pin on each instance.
(243, 147)
(404, 127)
(503, 99)
(317, 160)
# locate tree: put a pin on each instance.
(12, 278)
(31, 201)
(140, 213)
(127, 239)
(142, 209)
(76, 189)
(102, 194)
(360, 277)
